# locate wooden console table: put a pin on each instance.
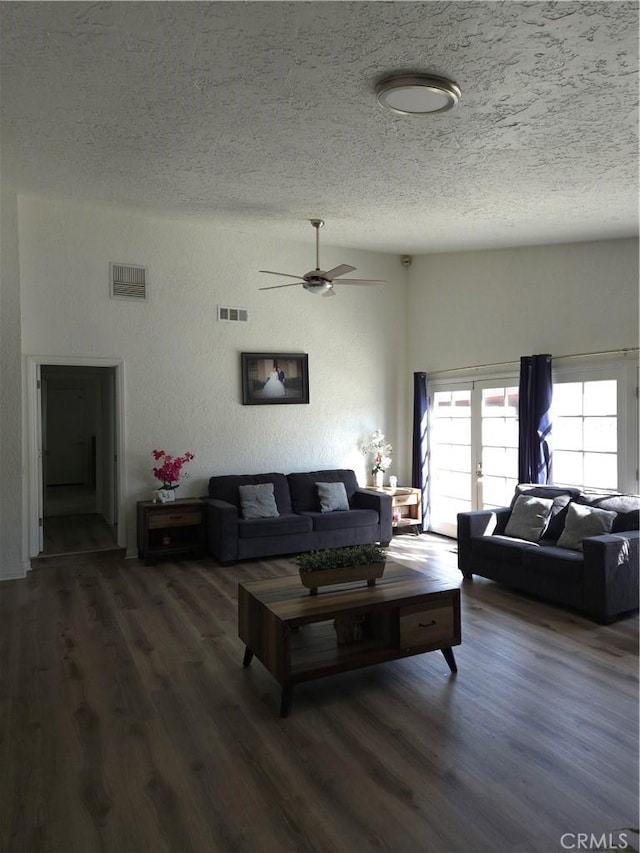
(292, 633)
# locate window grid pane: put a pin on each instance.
(585, 434)
(499, 431)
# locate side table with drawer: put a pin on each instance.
(173, 529)
(406, 508)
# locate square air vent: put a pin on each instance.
(226, 314)
(127, 281)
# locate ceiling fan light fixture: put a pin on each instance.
(417, 94)
(317, 286)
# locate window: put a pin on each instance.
(594, 434)
(473, 436)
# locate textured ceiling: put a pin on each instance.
(264, 114)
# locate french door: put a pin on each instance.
(473, 448)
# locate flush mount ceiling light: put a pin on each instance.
(417, 94)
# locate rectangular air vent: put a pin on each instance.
(127, 281)
(232, 315)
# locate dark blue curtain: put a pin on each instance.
(419, 466)
(536, 393)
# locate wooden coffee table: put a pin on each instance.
(293, 635)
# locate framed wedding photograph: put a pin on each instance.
(274, 378)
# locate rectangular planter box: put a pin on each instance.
(368, 572)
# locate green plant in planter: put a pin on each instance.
(341, 558)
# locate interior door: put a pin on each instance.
(66, 443)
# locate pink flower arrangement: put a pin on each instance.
(171, 469)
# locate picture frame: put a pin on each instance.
(274, 378)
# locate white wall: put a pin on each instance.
(182, 381)
(11, 457)
(475, 308)
(182, 367)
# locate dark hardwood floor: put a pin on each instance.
(129, 724)
(76, 534)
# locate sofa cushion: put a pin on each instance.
(627, 508)
(500, 549)
(283, 525)
(529, 517)
(226, 488)
(342, 520)
(559, 562)
(539, 490)
(584, 521)
(561, 497)
(333, 497)
(257, 501)
(304, 492)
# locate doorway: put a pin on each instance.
(75, 426)
(473, 441)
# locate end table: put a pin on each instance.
(406, 508)
(173, 529)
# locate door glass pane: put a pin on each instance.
(450, 458)
(497, 491)
(499, 436)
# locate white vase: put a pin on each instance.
(166, 495)
(379, 479)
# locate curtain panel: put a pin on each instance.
(534, 419)
(419, 466)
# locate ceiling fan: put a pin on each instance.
(317, 280)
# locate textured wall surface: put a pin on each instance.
(254, 111)
(477, 308)
(182, 367)
(11, 492)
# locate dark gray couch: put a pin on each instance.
(300, 525)
(600, 581)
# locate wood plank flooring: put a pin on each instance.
(76, 534)
(128, 723)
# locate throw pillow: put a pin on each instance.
(333, 497)
(529, 518)
(584, 521)
(258, 501)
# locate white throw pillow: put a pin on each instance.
(529, 518)
(258, 501)
(333, 497)
(584, 521)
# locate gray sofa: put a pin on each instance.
(599, 576)
(300, 525)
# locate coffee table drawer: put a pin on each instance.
(427, 625)
(179, 518)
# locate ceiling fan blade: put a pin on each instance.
(360, 281)
(343, 269)
(285, 274)
(276, 286)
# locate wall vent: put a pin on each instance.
(127, 281)
(227, 314)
